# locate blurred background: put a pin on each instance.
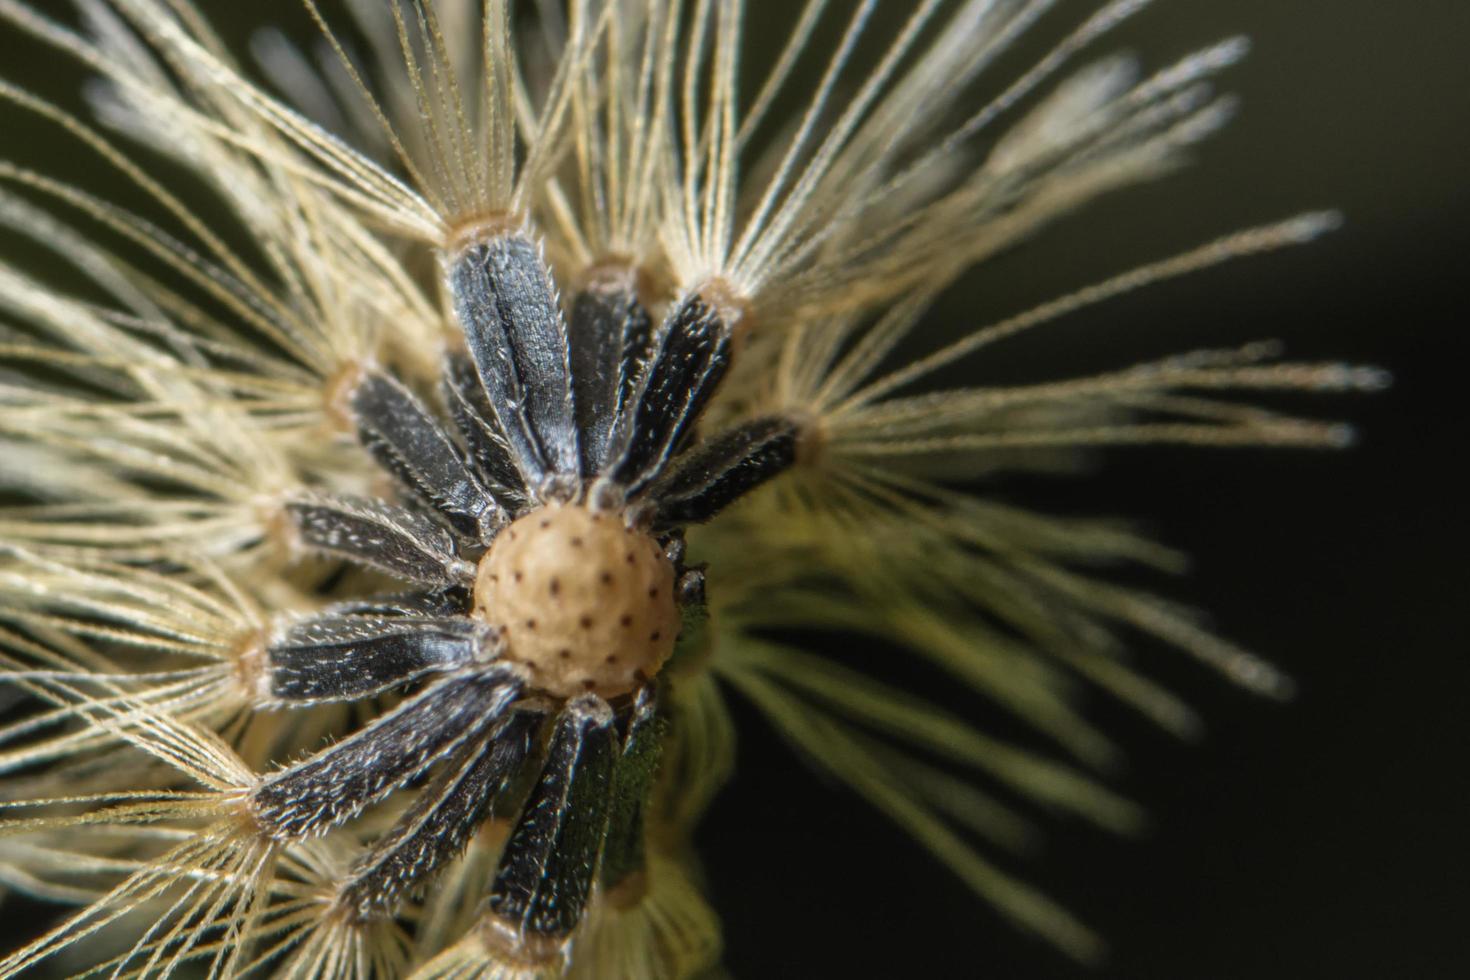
(1325, 837)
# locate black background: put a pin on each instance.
(1324, 838)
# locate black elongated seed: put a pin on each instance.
(441, 821)
(338, 658)
(475, 419)
(338, 783)
(712, 476)
(550, 859)
(395, 540)
(513, 327)
(611, 339)
(633, 777)
(409, 442)
(691, 358)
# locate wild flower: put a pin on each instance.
(553, 393)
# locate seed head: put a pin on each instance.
(343, 572)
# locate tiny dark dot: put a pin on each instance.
(576, 542)
(654, 637)
(606, 578)
(494, 577)
(555, 586)
(530, 624)
(586, 622)
(564, 653)
(653, 592)
(612, 658)
(640, 675)
(546, 522)
(589, 683)
(518, 576)
(630, 559)
(626, 621)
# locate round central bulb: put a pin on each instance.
(584, 602)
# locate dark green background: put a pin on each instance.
(1322, 839)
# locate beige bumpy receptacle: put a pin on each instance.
(582, 600)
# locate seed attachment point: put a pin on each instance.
(601, 595)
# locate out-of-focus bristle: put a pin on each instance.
(204, 885)
(659, 927)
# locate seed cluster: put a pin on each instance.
(586, 603)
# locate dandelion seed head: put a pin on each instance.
(356, 580)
